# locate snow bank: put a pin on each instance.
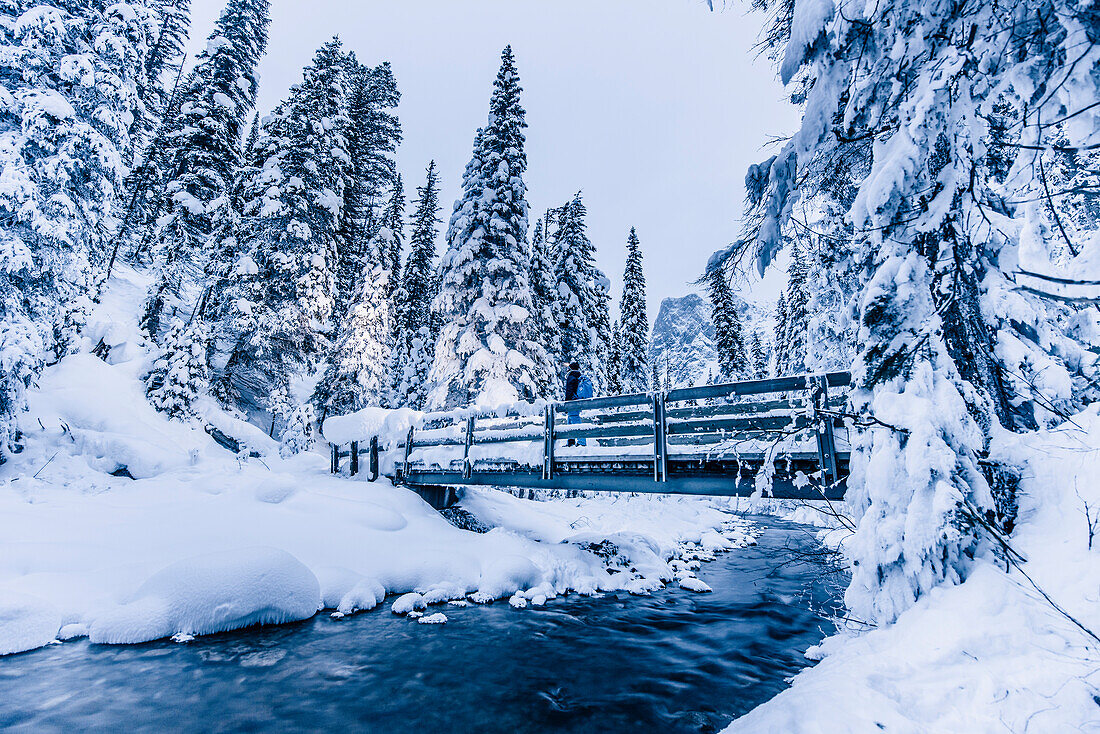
(213, 593)
(991, 654)
(26, 622)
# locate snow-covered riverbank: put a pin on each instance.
(1002, 652)
(202, 541)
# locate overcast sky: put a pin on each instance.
(653, 108)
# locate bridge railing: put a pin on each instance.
(699, 439)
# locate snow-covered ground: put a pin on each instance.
(992, 654)
(201, 539)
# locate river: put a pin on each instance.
(672, 662)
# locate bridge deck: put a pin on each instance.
(657, 443)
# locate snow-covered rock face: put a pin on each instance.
(683, 338)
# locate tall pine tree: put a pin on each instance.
(414, 342)
(283, 311)
(634, 325)
(733, 361)
(204, 152)
(486, 352)
(578, 301)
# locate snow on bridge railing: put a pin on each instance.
(731, 432)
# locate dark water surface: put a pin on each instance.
(672, 662)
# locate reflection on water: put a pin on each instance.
(672, 662)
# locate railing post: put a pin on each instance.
(826, 441)
(548, 444)
(660, 459)
(408, 451)
(373, 458)
(354, 458)
(467, 469)
(334, 465)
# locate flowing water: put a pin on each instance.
(672, 662)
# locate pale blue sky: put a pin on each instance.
(654, 108)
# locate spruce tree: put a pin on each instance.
(782, 327)
(615, 364)
(165, 57)
(634, 334)
(759, 357)
(733, 359)
(544, 293)
(298, 436)
(578, 302)
(204, 151)
(414, 342)
(797, 316)
(358, 372)
(394, 220)
(185, 377)
(486, 352)
(282, 302)
(70, 78)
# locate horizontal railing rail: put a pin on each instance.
(730, 426)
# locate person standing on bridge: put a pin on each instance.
(577, 387)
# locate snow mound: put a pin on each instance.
(505, 576)
(697, 585)
(408, 603)
(26, 622)
(347, 591)
(213, 593)
(437, 618)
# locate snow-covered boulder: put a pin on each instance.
(213, 593)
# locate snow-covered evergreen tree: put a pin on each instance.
(544, 293)
(729, 341)
(414, 342)
(70, 77)
(168, 39)
(204, 152)
(792, 359)
(487, 353)
(949, 351)
(358, 373)
(634, 333)
(185, 377)
(282, 302)
(759, 357)
(615, 364)
(298, 436)
(578, 302)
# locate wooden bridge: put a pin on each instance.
(783, 435)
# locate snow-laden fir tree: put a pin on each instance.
(729, 341)
(358, 372)
(634, 324)
(184, 377)
(601, 331)
(394, 220)
(544, 294)
(615, 362)
(487, 352)
(949, 351)
(70, 83)
(373, 133)
(414, 341)
(782, 326)
(795, 318)
(759, 357)
(577, 300)
(282, 298)
(298, 436)
(168, 40)
(203, 152)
